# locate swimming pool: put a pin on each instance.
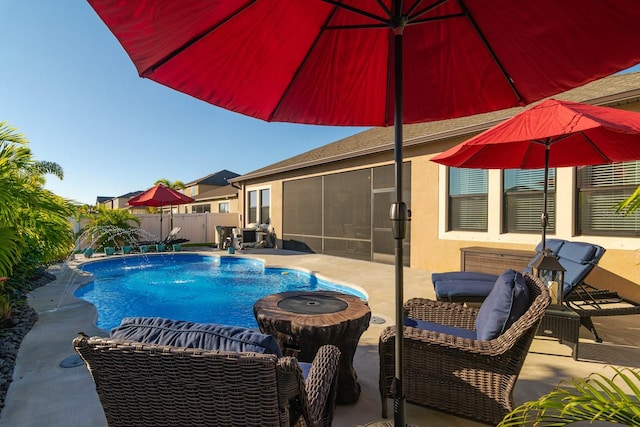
(198, 288)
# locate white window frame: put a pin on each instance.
(258, 190)
(228, 207)
(565, 215)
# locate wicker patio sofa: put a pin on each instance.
(469, 377)
(147, 384)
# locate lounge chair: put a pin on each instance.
(466, 360)
(578, 259)
(169, 240)
(142, 382)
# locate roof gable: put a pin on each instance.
(219, 178)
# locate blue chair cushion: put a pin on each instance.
(554, 245)
(578, 252)
(508, 300)
(462, 283)
(305, 367)
(437, 327)
(577, 258)
(178, 333)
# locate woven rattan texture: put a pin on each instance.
(152, 385)
(469, 378)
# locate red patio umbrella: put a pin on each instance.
(374, 63)
(551, 134)
(158, 196)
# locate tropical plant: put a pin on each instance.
(174, 185)
(105, 223)
(120, 218)
(595, 398)
(630, 204)
(34, 229)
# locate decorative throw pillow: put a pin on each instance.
(508, 300)
(178, 333)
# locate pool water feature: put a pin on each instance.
(198, 288)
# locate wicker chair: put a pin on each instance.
(469, 378)
(154, 385)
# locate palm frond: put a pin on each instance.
(595, 398)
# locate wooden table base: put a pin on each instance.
(302, 322)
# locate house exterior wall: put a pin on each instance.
(276, 184)
(435, 249)
(194, 190)
(233, 205)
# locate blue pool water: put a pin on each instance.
(191, 287)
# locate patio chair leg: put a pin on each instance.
(587, 323)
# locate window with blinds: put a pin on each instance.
(523, 191)
(468, 203)
(600, 189)
(265, 206)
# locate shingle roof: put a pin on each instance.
(217, 178)
(613, 90)
(129, 195)
(102, 199)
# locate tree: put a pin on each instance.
(34, 226)
(110, 226)
(174, 185)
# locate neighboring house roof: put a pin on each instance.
(611, 91)
(130, 195)
(225, 192)
(219, 178)
(102, 199)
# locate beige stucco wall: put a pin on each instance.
(433, 249)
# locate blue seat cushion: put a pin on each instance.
(554, 245)
(462, 284)
(508, 300)
(443, 329)
(206, 336)
(577, 252)
(305, 367)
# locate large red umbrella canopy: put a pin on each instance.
(330, 62)
(160, 195)
(551, 134)
(576, 135)
(374, 62)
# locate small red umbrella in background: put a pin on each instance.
(553, 133)
(374, 63)
(158, 196)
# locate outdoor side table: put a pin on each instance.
(304, 321)
(561, 323)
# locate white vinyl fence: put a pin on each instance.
(198, 228)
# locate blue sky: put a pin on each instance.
(69, 87)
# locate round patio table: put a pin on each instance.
(303, 321)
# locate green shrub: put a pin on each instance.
(595, 398)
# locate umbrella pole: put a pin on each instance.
(399, 216)
(544, 218)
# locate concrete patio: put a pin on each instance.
(44, 393)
